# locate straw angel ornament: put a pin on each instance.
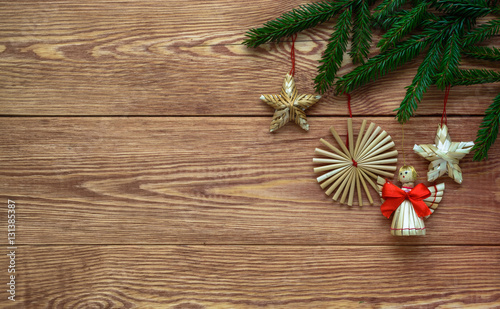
(410, 204)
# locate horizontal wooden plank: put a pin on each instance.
(184, 180)
(188, 24)
(256, 277)
(162, 58)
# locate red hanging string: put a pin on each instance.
(446, 94)
(349, 104)
(292, 54)
(350, 115)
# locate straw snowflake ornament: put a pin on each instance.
(349, 168)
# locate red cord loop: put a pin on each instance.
(350, 115)
(292, 54)
(354, 163)
(349, 103)
(446, 94)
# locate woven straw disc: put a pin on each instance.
(348, 170)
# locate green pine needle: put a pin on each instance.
(482, 32)
(333, 55)
(362, 34)
(403, 26)
(386, 9)
(474, 77)
(450, 62)
(381, 64)
(304, 17)
(421, 82)
(443, 30)
(389, 21)
(484, 53)
(488, 131)
(469, 9)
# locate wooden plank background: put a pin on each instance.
(137, 150)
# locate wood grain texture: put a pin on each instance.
(199, 206)
(162, 58)
(216, 181)
(258, 277)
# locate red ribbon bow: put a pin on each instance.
(394, 197)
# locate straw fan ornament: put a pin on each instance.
(348, 170)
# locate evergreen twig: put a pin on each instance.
(361, 34)
(466, 8)
(488, 130)
(333, 55)
(450, 61)
(446, 31)
(386, 9)
(482, 32)
(381, 64)
(421, 82)
(405, 24)
(389, 21)
(482, 52)
(474, 77)
(304, 17)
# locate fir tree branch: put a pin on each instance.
(475, 76)
(403, 26)
(381, 64)
(447, 34)
(389, 21)
(386, 9)
(488, 131)
(469, 9)
(335, 49)
(424, 78)
(362, 34)
(450, 62)
(441, 28)
(482, 32)
(304, 17)
(482, 52)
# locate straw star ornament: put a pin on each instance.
(444, 155)
(289, 105)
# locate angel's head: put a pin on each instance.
(407, 173)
